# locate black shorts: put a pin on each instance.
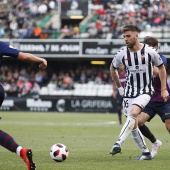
(160, 108)
(2, 95)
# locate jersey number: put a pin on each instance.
(125, 103)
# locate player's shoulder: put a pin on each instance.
(2, 44)
(150, 48)
(122, 51)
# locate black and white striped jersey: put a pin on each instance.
(139, 69)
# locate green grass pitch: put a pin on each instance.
(89, 138)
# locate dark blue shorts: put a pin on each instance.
(160, 108)
(119, 99)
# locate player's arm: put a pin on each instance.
(115, 77)
(114, 90)
(162, 75)
(32, 58)
(155, 71)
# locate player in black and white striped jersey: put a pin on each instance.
(139, 60)
(139, 67)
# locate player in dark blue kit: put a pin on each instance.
(5, 139)
(156, 104)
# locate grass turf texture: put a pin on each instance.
(89, 138)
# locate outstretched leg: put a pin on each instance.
(25, 153)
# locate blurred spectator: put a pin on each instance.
(13, 91)
(42, 9)
(54, 78)
(98, 79)
(76, 77)
(60, 79)
(106, 78)
(37, 31)
(26, 88)
(75, 30)
(13, 28)
(67, 32)
(39, 77)
(22, 32)
(35, 89)
(67, 82)
(51, 4)
(6, 87)
(99, 28)
(33, 8)
(2, 32)
(30, 32)
(83, 78)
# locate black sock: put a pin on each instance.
(147, 133)
(7, 141)
(119, 116)
(147, 153)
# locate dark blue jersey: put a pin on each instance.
(157, 85)
(8, 50)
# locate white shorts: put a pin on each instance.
(141, 101)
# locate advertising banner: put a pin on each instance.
(79, 48)
(61, 104)
(74, 8)
(48, 47)
(102, 47)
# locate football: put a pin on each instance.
(59, 152)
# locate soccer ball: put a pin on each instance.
(59, 152)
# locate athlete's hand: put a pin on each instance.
(121, 91)
(43, 64)
(165, 95)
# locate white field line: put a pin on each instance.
(59, 123)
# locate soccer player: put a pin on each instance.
(6, 140)
(156, 104)
(116, 94)
(138, 59)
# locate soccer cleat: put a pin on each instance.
(115, 149)
(155, 147)
(26, 155)
(144, 156)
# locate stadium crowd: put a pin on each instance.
(109, 17)
(23, 19)
(23, 80)
(18, 19)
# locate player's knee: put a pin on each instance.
(167, 124)
(133, 113)
(135, 110)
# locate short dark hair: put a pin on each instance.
(151, 41)
(132, 28)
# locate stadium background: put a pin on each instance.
(72, 35)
